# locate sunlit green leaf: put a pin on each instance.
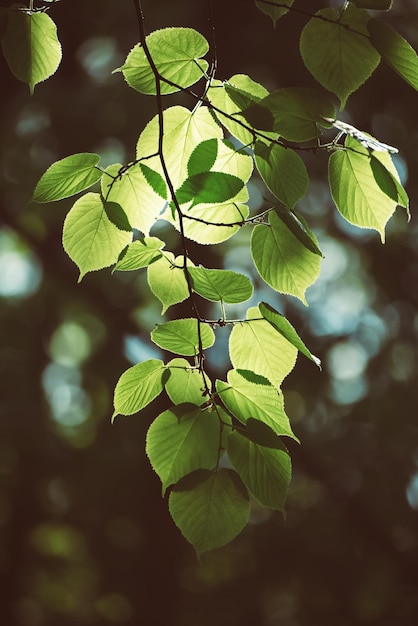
(266, 472)
(209, 188)
(297, 225)
(68, 177)
(167, 280)
(285, 328)
(337, 51)
(140, 253)
(90, 239)
(225, 285)
(246, 399)
(181, 336)
(31, 47)
(355, 190)
(138, 386)
(212, 511)
(285, 263)
(185, 383)
(181, 440)
(177, 54)
(275, 12)
(395, 50)
(283, 172)
(256, 346)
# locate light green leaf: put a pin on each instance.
(395, 50)
(355, 190)
(181, 336)
(203, 157)
(285, 263)
(221, 285)
(275, 12)
(285, 328)
(256, 346)
(376, 5)
(167, 280)
(140, 253)
(212, 511)
(181, 440)
(138, 386)
(209, 188)
(89, 238)
(229, 98)
(185, 383)
(283, 172)
(292, 112)
(337, 51)
(67, 177)
(31, 47)
(246, 399)
(154, 179)
(133, 192)
(183, 131)
(266, 472)
(177, 54)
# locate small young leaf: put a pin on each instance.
(395, 50)
(221, 285)
(265, 471)
(31, 46)
(209, 188)
(117, 216)
(213, 511)
(67, 177)
(285, 328)
(249, 400)
(283, 172)
(138, 386)
(203, 157)
(155, 180)
(177, 54)
(89, 238)
(337, 50)
(256, 346)
(167, 280)
(185, 383)
(181, 440)
(297, 225)
(275, 12)
(140, 253)
(181, 336)
(282, 260)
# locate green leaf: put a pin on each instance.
(266, 472)
(185, 383)
(296, 223)
(177, 54)
(275, 12)
(89, 238)
(221, 285)
(181, 440)
(248, 400)
(285, 328)
(337, 51)
(117, 216)
(138, 386)
(283, 172)
(231, 97)
(67, 177)
(131, 189)
(376, 5)
(355, 190)
(209, 188)
(212, 511)
(256, 346)
(203, 157)
(285, 263)
(167, 280)
(155, 180)
(31, 47)
(387, 178)
(181, 336)
(395, 50)
(140, 253)
(292, 112)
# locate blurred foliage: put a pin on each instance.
(86, 536)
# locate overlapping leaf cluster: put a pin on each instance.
(221, 441)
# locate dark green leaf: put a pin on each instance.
(155, 180)
(297, 225)
(203, 157)
(117, 216)
(209, 188)
(275, 12)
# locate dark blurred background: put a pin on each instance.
(86, 536)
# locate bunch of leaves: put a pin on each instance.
(221, 442)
